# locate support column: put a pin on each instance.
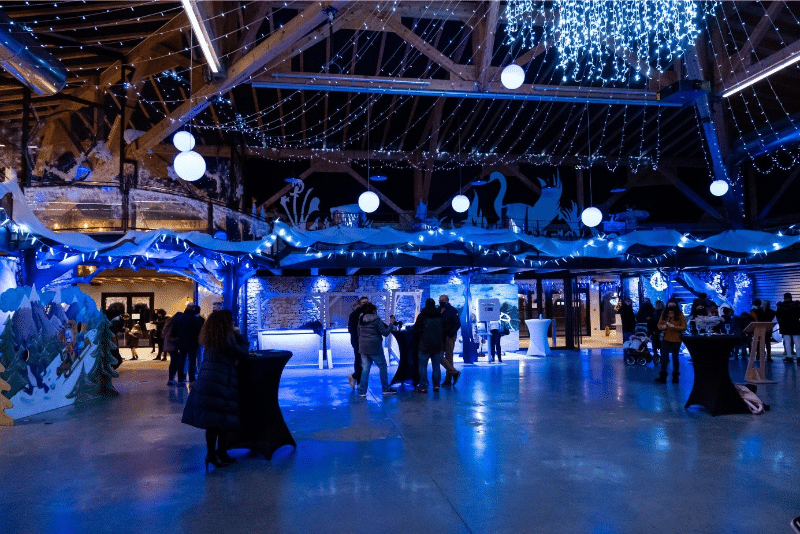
(713, 129)
(25, 178)
(123, 183)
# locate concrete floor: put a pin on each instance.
(575, 442)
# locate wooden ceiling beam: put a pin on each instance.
(744, 57)
(242, 70)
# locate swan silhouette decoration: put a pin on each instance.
(525, 216)
(308, 206)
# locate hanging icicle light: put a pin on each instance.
(592, 36)
(719, 187)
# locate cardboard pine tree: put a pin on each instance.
(84, 390)
(16, 372)
(5, 404)
(103, 371)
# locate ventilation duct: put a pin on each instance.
(28, 61)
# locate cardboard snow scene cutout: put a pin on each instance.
(56, 349)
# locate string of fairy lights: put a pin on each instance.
(263, 127)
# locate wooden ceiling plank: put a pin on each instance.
(396, 26)
(744, 57)
(486, 45)
(780, 194)
(689, 193)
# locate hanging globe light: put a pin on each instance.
(460, 203)
(591, 217)
(190, 165)
(368, 201)
(512, 76)
(719, 187)
(183, 141)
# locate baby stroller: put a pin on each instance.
(635, 349)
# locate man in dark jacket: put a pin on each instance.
(352, 328)
(451, 324)
(186, 328)
(428, 330)
(788, 314)
(628, 319)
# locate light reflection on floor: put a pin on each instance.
(574, 442)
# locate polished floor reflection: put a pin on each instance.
(575, 442)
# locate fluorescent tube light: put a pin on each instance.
(202, 34)
(761, 75)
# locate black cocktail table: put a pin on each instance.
(713, 388)
(263, 428)
(407, 367)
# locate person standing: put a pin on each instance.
(652, 327)
(213, 402)
(430, 334)
(645, 312)
(451, 324)
(673, 324)
(627, 318)
(767, 315)
(185, 327)
(132, 336)
(788, 314)
(371, 332)
(352, 328)
(494, 342)
(157, 335)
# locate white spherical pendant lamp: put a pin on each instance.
(183, 141)
(719, 187)
(190, 165)
(591, 217)
(512, 77)
(368, 201)
(460, 203)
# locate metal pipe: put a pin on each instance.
(28, 61)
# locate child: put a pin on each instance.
(134, 333)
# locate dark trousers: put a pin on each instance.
(670, 349)
(357, 363)
(177, 364)
(191, 355)
(656, 340)
(494, 345)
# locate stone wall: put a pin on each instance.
(284, 302)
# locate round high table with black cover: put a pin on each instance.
(263, 428)
(713, 388)
(407, 368)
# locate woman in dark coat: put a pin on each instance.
(213, 402)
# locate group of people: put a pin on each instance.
(435, 331)
(666, 324)
(176, 336)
